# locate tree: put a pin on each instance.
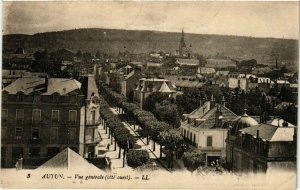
(193, 160)
(167, 112)
(137, 158)
(152, 99)
(155, 129)
(172, 141)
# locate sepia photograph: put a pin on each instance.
(149, 95)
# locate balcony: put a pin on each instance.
(35, 141)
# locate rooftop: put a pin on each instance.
(270, 132)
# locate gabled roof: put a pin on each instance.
(270, 132)
(67, 159)
(210, 116)
(164, 88)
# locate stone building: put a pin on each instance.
(253, 147)
(42, 116)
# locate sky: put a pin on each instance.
(257, 19)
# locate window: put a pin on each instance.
(35, 152)
(17, 152)
(93, 115)
(35, 133)
(4, 115)
(194, 138)
(19, 115)
(55, 116)
(54, 134)
(36, 116)
(18, 132)
(72, 116)
(72, 134)
(3, 133)
(209, 141)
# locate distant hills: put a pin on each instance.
(104, 40)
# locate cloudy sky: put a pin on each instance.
(259, 19)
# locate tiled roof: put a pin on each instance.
(209, 116)
(270, 133)
(189, 84)
(26, 85)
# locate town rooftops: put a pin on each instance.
(270, 132)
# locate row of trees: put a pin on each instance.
(121, 135)
(158, 131)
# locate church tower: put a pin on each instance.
(182, 45)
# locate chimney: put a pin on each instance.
(212, 102)
(223, 101)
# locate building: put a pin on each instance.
(129, 83)
(42, 116)
(91, 116)
(187, 62)
(206, 129)
(241, 83)
(252, 147)
(147, 86)
(183, 50)
(206, 71)
(220, 63)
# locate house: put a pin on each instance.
(206, 129)
(147, 86)
(130, 82)
(261, 147)
(187, 62)
(41, 116)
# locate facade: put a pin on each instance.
(263, 147)
(206, 129)
(42, 116)
(91, 116)
(147, 86)
(129, 83)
